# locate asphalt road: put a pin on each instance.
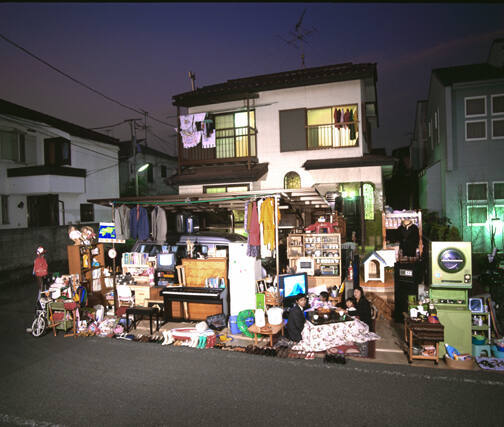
(99, 381)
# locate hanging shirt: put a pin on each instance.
(268, 221)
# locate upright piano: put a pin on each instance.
(193, 296)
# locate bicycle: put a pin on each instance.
(40, 323)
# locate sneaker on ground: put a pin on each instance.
(28, 330)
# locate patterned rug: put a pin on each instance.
(490, 363)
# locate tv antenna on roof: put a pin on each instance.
(298, 37)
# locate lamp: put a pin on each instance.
(140, 169)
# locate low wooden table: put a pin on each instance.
(425, 332)
(273, 330)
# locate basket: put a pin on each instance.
(459, 364)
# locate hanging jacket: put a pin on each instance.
(139, 223)
(159, 226)
(122, 222)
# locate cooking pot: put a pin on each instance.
(275, 316)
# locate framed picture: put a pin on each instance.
(260, 286)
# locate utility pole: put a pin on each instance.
(132, 123)
(192, 76)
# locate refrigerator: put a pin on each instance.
(243, 271)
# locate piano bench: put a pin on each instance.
(142, 311)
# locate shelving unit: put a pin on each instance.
(325, 249)
(391, 221)
(138, 265)
(485, 328)
(80, 261)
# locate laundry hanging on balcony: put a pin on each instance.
(208, 129)
(191, 136)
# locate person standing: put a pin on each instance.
(40, 272)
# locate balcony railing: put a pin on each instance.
(232, 145)
(330, 136)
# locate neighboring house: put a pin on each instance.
(152, 181)
(401, 191)
(290, 138)
(49, 168)
(463, 176)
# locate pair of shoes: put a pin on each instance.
(28, 330)
(310, 356)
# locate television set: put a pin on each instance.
(291, 285)
(165, 261)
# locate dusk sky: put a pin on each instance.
(140, 54)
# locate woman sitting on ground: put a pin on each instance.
(363, 307)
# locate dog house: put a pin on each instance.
(375, 263)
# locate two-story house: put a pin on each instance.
(152, 180)
(307, 128)
(463, 177)
(49, 168)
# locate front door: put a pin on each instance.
(43, 210)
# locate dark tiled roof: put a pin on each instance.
(239, 88)
(468, 73)
(12, 109)
(219, 174)
(349, 162)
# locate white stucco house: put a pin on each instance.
(307, 128)
(49, 168)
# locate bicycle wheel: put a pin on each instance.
(38, 326)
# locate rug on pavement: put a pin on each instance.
(365, 350)
(490, 363)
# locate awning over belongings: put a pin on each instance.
(294, 198)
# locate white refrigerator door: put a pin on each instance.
(243, 273)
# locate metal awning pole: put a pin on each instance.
(276, 238)
(116, 300)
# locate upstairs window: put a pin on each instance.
(232, 135)
(12, 146)
(498, 128)
(498, 104)
(57, 152)
(319, 128)
(332, 127)
(477, 192)
(498, 191)
(475, 106)
(475, 130)
(477, 215)
(87, 212)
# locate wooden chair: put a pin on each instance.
(72, 307)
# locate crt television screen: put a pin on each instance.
(166, 260)
(294, 284)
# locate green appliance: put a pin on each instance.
(451, 277)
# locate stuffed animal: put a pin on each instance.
(88, 235)
(75, 235)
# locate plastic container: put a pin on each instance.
(497, 353)
(478, 339)
(233, 326)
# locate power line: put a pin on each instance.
(109, 126)
(79, 82)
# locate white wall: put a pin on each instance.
(100, 161)
(267, 108)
